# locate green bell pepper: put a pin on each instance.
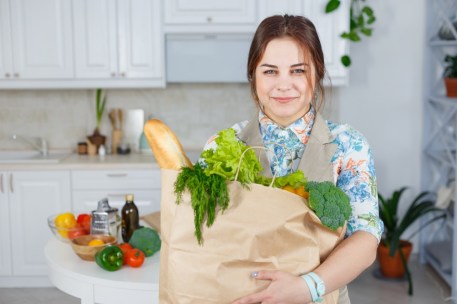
(110, 258)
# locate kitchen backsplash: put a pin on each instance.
(65, 117)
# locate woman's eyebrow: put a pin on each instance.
(275, 67)
(297, 64)
(269, 65)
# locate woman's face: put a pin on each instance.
(281, 83)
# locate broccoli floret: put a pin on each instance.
(329, 203)
(146, 239)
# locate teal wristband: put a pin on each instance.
(320, 285)
(312, 288)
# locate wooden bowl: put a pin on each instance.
(81, 246)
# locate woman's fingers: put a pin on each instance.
(258, 297)
(252, 299)
(264, 275)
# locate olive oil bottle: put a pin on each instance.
(130, 218)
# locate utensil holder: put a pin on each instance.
(116, 140)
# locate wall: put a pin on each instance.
(385, 96)
(194, 112)
(64, 117)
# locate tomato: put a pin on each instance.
(134, 257)
(84, 221)
(125, 247)
(65, 221)
(78, 231)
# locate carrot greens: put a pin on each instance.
(208, 192)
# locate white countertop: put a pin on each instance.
(95, 162)
(87, 281)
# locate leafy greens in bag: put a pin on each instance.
(207, 182)
(225, 159)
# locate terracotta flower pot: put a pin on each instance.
(451, 87)
(392, 267)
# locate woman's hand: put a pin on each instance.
(284, 288)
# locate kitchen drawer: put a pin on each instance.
(147, 201)
(115, 179)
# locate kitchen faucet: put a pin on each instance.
(33, 141)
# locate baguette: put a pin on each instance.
(165, 146)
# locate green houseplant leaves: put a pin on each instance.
(361, 18)
(100, 102)
(450, 69)
(394, 226)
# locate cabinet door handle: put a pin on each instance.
(7, 75)
(116, 174)
(16, 75)
(11, 183)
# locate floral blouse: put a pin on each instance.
(353, 166)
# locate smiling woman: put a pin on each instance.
(286, 72)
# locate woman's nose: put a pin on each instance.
(284, 84)
(284, 81)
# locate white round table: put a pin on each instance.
(92, 284)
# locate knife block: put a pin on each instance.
(116, 139)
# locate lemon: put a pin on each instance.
(96, 242)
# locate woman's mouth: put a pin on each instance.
(283, 99)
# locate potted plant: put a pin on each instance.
(450, 75)
(393, 250)
(361, 21)
(100, 101)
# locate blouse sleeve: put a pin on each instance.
(355, 175)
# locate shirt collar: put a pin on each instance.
(301, 127)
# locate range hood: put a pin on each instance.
(209, 58)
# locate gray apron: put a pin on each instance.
(315, 163)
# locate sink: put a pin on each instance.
(17, 157)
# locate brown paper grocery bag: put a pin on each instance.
(263, 228)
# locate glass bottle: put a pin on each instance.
(130, 218)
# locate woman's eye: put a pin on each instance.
(269, 72)
(298, 71)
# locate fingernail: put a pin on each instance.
(254, 274)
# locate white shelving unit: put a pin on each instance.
(439, 157)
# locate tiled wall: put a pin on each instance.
(66, 117)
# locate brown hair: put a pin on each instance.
(300, 29)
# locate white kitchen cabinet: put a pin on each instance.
(212, 20)
(6, 59)
(28, 198)
(35, 40)
(118, 41)
(88, 187)
(210, 16)
(5, 227)
(274, 7)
